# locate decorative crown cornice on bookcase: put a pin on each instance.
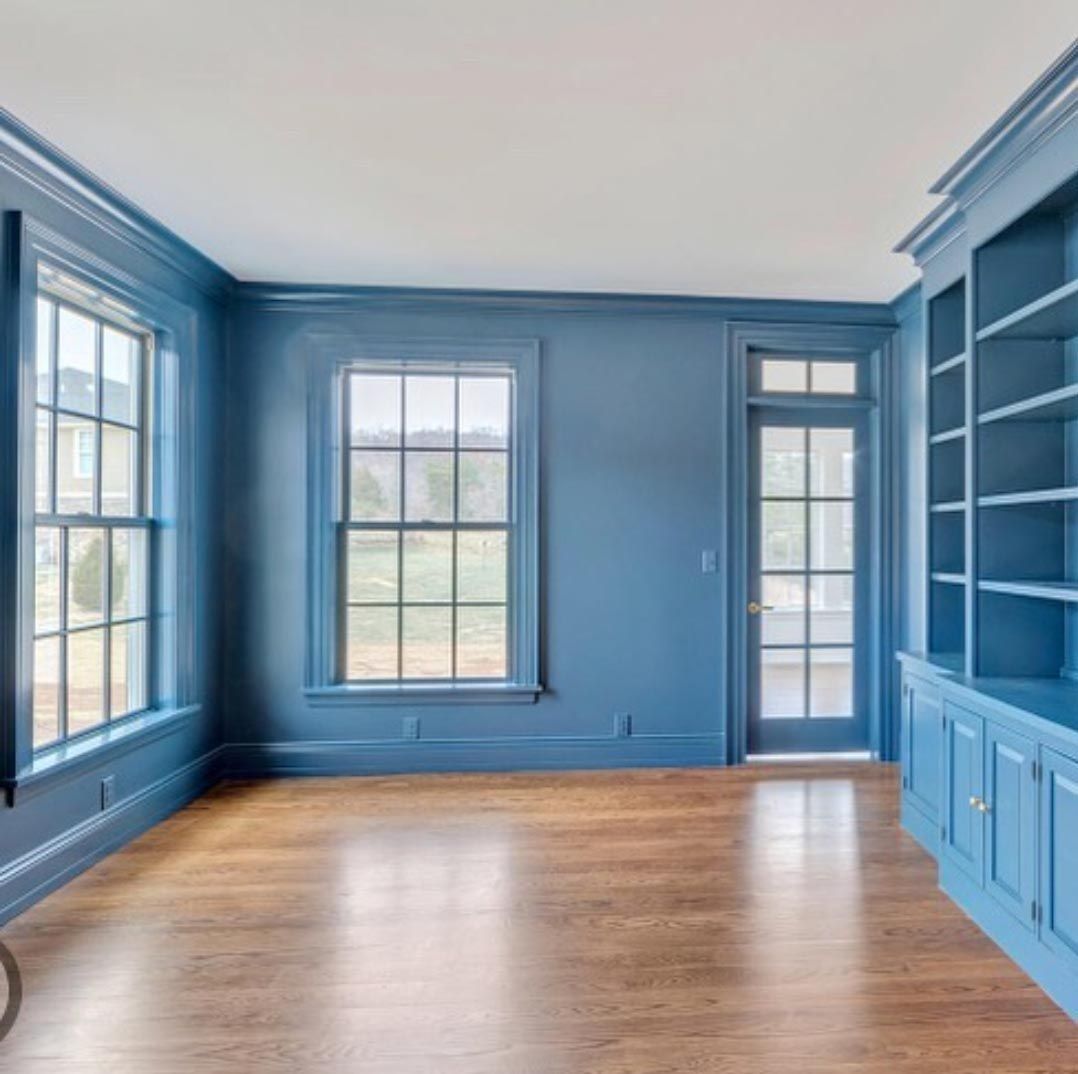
(1048, 106)
(36, 161)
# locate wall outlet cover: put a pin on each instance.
(623, 724)
(108, 792)
(410, 727)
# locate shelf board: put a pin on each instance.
(1052, 316)
(1060, 404)
(948, 578)
(944, 508)
(1014, 499)
(947, 364)
(947, 435)
(1046, 590)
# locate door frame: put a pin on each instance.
(873, 346)
(833, 733)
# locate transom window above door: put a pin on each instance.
(780, 374)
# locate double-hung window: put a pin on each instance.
(434, 534)
(92, 541)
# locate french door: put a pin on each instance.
(807, 582)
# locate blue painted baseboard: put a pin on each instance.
(1019, 943)
(27, 879)
(922, 828)
(254, 759)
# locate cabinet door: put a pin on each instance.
(1010, 822)
(963, 788)
(1059, 855)
(921, 747)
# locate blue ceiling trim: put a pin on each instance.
(24, 153)
(312, 298)
(935, 232)
(1047, 105)
(906, 304)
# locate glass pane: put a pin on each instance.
(481, 643)
(376, 481)
(782, 683)
(130, 573)
(784, 375)
(428, 486)
(46, 691)
(484, 486)
(46, 580)
(85, 680)
(119, 475)
(831, 462)
(372, 643)
(783, 618)
(428, 567)
(373, 567)
(782, 461)
(85, 576)
(44, 350)
(76, 464)
(375, 408)
(76, 363)
(832, 536)
(837, 378)
(428, 634)
(831, 682)
(484, 412)
(782, 535)
(43, 461)
(128, 669)
(429, 406)
(481, 565)
(832, 609)
(119, 376)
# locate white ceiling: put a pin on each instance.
(746, 147)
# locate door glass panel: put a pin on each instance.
(831, 682)
(832, 609)
(782, 621)
(782, 683)
(831, 462)
(782, 451)
(782, 535)
(832, 535)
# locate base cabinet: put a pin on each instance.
(1010, 813)
(1007, 827)
(1059, 856)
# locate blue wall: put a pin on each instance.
(58, 826)
(632, 452)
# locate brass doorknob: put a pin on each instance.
(755, 607)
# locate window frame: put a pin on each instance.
(104, 315)
(175, 675)
(332, 356)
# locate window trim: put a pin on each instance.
(331, 355)
(32, 245)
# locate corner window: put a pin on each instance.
(92, 539)
(432, 579)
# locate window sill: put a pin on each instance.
(54, 765)
(465, 694)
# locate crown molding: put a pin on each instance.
(32, 159)
(945, 224)
(318, 299)
(1048, 105)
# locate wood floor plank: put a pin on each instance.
(757, 921)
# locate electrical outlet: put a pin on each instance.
(108, 792)
(623, 725)
(410, 727)
(709, 561)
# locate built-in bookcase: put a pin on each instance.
(947, 483)
(1026, 390)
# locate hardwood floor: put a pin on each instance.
(756, 921)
